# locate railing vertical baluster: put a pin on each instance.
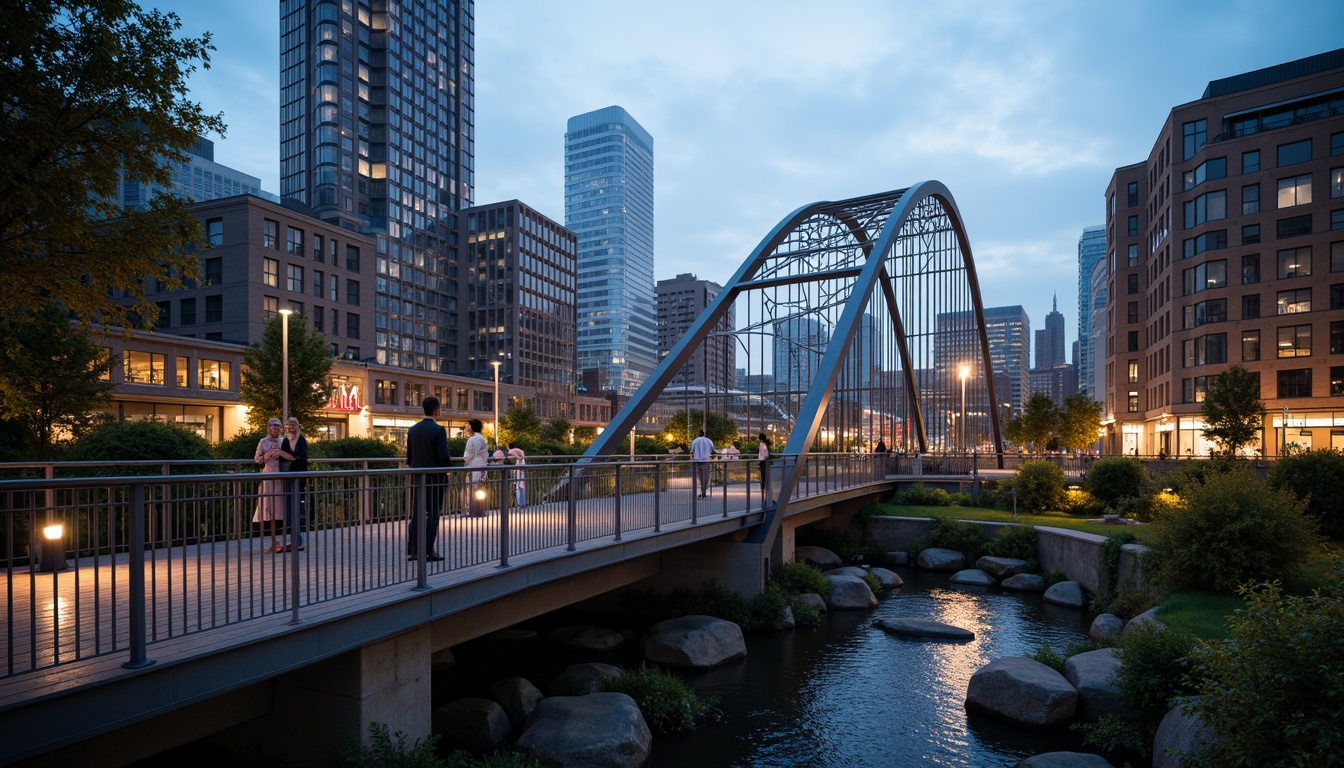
(418, 530)
(292, 501)
(573, 521)
(616, 515)
(657, 496)
(136, 619)
(503, 519)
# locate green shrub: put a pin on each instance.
(993, 495)
(874, 583)
(1232, 531)
(1198, 472)
(119, 441)
(920, 495)
(966, 538)
(667, 703)
(766, 610)
(242, 446)
(1142, 508)
(1113, 734)
(354, 448)
(387, 750)
(1039, 486)
(1049, 657)
(961, 499)
(1274, 689)
(1317, 478)
(1079, 503)
(1054, 577)
(799, 578)
(1113, 479)
(804, 615)
(1017, 541)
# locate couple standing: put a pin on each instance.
(427, 448)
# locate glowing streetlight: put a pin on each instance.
(284, 364)
(496, 365)
(963, 373)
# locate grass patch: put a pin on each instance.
(1055, 519)
(1202, 614)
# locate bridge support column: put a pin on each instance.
(330, 703)
(738, 565)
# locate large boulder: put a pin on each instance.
(847, 570)
(694, 642)
(1024, 582)
(1092, 674)
(1179, 734)
(587, 638)
(910, 627)
(938, 559)
(819, 556)
(1023, 692)
(889, 579)
(1066, 593)
(1147, 617)
(973, 577)
(1001, 567)
(1104, 626)
(472, 723)
(602, 730)
(1064, 760)
(814, 601)
(517, 696)
(850, 593)
(581, 678)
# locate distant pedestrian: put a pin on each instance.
(294, 458)
(702, 451)
(427, 448)
(518, 459)
(476, 456)
(763, 459)
(269, 505)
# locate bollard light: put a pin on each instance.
(53, 548)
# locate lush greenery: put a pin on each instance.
(921, 495)
(1274, 689)
(718, 428)
(1112, 480)
(1317, 478)
(51, 376)
(1230, 531)
(1232, 409)
(1039, 486)
(390, 750)
(1079, 421)
(666, 701)
(120, 441)
(799, 578)
(764, 611)
(946, 533)
(243, 445)
(261, 387)
(352, 448)
(1016, 541)
(95, 89)
(1036, 426)
(1056, 519)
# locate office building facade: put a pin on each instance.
(681, 300)
(609, 205)
(1091, 251)
(1226, 247)
(196, 177)
(1050, 340)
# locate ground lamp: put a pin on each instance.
(53, 548)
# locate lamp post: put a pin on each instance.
(496, 364)
(284, 364)
(963, 372)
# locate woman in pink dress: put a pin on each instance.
(270, 506)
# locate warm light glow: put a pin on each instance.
(286, 312)
(480, 494)
(963, 372)
(54, 532)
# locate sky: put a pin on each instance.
(1023, 109)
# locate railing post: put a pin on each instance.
(724, 490)
(418, 529)
(617, 509)
(504, 498)
(136, 618)
(657, 496)
(572, 524)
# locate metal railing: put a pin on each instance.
(140, 560)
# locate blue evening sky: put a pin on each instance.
(1023, 109)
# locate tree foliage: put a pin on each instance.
(1232, 409)
(51, 376)
(519, 424)
(309, 365)
(719, 428)
(92, 88)
(140, 440)
(1317, 478)
(1079, 421)
(1038, 423)
(1115, 478)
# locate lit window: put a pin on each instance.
(1295, 190)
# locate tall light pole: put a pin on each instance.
(284, 364)
(963, 372)
(496, 364)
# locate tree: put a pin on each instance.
(92, 88)
(555, 431)
(718, 428)
(519, 424)
(1232, 409)
(1037, 424)
(1079, 421)
(51, 376)
(309, 366)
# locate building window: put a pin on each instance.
(165, 316)
(1250, 269)
(1337, 143)
(482, 400)
(1294, 341)
(213, 374)
(1336, 380)
(351, 325)
(332, 286)
(1133, 339)
(270, 234)
(180, 371)
(319, 279)
(1337, 219)
(1294, 190)
(1250, 199)
(1195, 390)
(1205, 312)
(1250, 234)
(1133, 401)
(1250, 307)
(144, 367)
(1133, 255)
(1250, 161)
(1295, 382)
(352, 258)
(1204, 277)
(1209, 241)
(214, 271)
(319, 319)
(270, 306)
(295, 278)
(1250, 346)
(188, 311)
(1132, 312)
(1194, 135)
(1133, 226)
(294, 240)
(1337, 256)
(1293, 227)
(1337, 296)
(1133, 371)
(1132, 194)
(352, 293)
(1297, 152)
(1132, 283)
(1210, 206)
(214, 232)
(1295, 262)
(1292, 302)
(1337, 182)
(214, 309)
(1205, 350)
(352, 353)
(415, 393)
(1337, 337)
(317, 248)
(270, 272)
(1214, 168)
(384, 392)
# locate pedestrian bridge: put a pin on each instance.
(162, 599)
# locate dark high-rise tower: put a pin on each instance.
(1050, 340)
(376, 131)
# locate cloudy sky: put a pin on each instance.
(1023, 109)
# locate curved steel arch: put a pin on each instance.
(891, 245)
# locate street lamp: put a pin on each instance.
(284, 365)
(963, 372)
(496, 364)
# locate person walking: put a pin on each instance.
(269, 510)
(294, 458)
(702, 451)
(518, 459)
(763, 458)
(476, 455)
(427, 448)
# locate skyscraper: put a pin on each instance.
(681, 300)
(1050, 340)
(376, 132)
(198, 177)
(1008, 331)
(1091, 251)
(609, 205)
(798, 345)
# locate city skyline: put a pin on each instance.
(1022, 110)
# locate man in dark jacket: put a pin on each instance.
(426, 448)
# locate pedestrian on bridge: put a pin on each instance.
(476, 455)
(426, 448)
(518, 459)
(702, 451)
(763, 458)
(269, 505)
(294, 458)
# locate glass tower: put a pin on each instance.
(1091, 249)
(609, 205)
(376, 135)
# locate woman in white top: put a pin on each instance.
(270, 506)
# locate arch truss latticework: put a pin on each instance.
(852, 322)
